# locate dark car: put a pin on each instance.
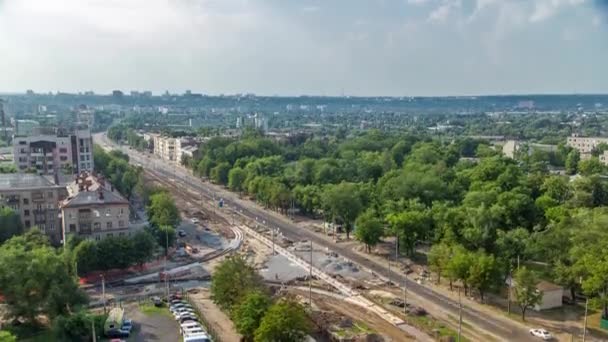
(187, 318)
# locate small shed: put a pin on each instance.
(552, 294)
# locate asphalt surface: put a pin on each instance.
(503, 329)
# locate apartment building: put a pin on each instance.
(172, 149)
(94, 209)
(164, 147)
(51, 151)
(35, 198)
(585, 145)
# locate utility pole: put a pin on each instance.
(93, 331)
(459, 316)
(272, 230)
(166, 257)
(310, 278)
(405, 293)
(103, 293)
(585, 323)
(509, 291)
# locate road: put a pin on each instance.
(501, 328)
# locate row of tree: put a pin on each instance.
(113, 252)
(240, 291)
(115, 167)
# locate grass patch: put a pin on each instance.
(149, 310)
(43, 336)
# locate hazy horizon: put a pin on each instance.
(292, 48)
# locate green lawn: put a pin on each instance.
(149, 309)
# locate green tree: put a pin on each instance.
(285, 321)
(343, 204)
(410, 226)
(75, 327)
(484, 273)
(35, 280)
(236, 179)
(590, 167)
(368, 229)
(85, 257)
(248, 314)
(219, 174)
(162, 210)
(459, 266)
(439, 257)
(10, 224)
(6, 336)
(526, 293)
(572, 161)
(144, 245)
(232, 280)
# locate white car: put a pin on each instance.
(182, 314)
(194, 220)
(542, 333)
(190, 325)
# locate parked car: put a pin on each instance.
(197, 338)
(188, 318)
(189, 325)
(195, 220)
(181, 233)
(542, 333)
(127, 325)
(157, 301)
(183, 312)
(179, 307)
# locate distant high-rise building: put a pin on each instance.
(117, 94)
(239, 122)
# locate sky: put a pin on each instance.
(313, 47)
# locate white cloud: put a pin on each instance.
(443, 11)
(545, 9)
(596, 21)
(417, 2)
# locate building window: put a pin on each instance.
(51, 226)
(27, 224)
(81, 158)
(26, 213)
(63, 150)
(97, 225)
(63, 158)
(122, 211)
(108, 212)
(26, 201)
(81, 142)
(121, 224)
(72, 228)
(41, 226)
(109, 225)
(22, 142)
(97, 237)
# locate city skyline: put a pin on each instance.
(357, 48)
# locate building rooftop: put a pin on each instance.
(99, 196)
(87, 190)
(14, 181)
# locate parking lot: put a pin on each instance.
(152, 324)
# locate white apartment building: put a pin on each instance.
(84, 145)
(172, 149)
(164, 147)
(585, 145)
